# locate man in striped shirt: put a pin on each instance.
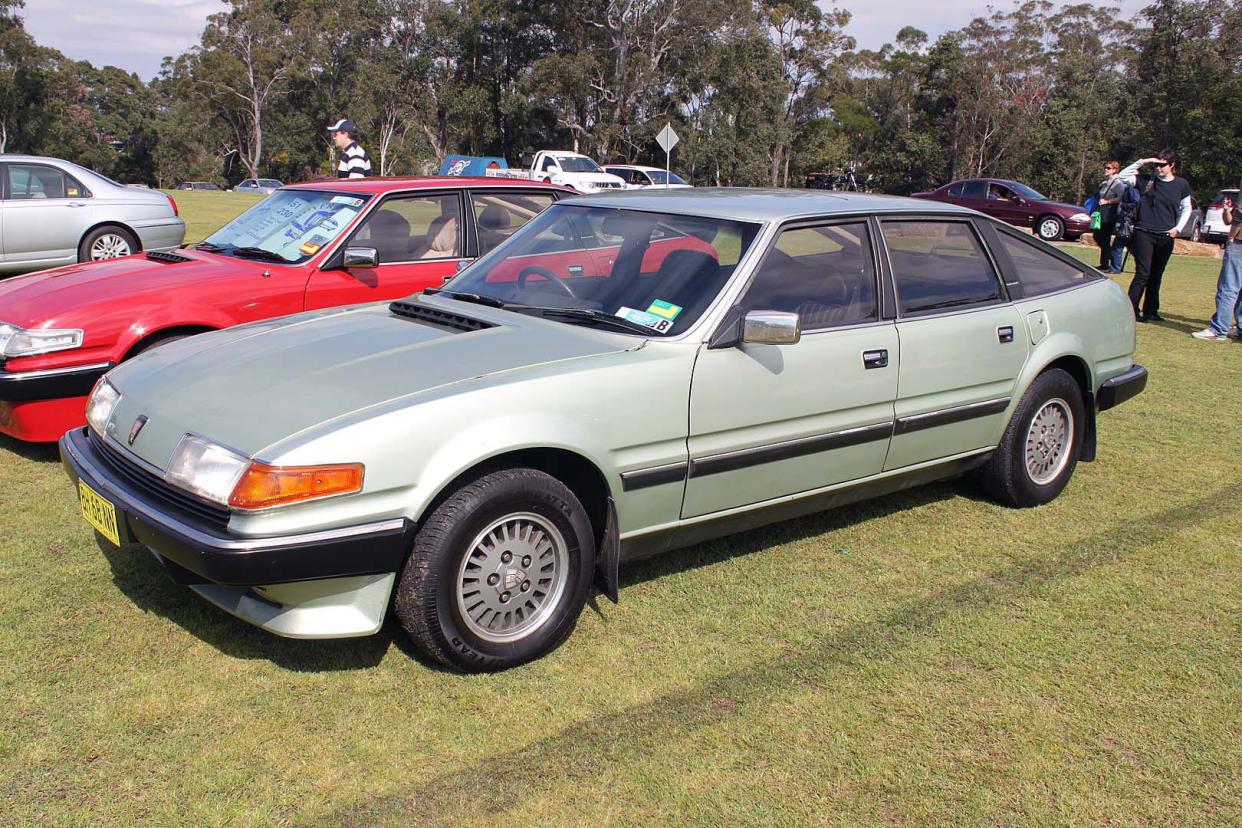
(354, 162)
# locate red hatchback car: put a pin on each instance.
(306, 246)
(1016, 204)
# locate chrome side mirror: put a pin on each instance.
(361, 257)
(762, 327)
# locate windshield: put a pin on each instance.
(650, 274)
(1027, 193)
(289, 225)
(660, 177)
(574, 163)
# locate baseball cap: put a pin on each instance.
(343, 125)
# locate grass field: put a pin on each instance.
(926, 658)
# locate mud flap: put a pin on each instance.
(1087, 454)
(608, 557)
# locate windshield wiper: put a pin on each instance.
(259, 253)
(592, 317)
(476, 298)
(209, 247)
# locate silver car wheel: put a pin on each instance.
(512, 578)
(1049, 229)
(109, 246)
(1048, 441)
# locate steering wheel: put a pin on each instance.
(535, 270)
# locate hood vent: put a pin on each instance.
(439, 318)
(169, 258)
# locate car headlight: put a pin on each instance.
(1080, 217)
(221, 475)
(16, 341)
(101, 404)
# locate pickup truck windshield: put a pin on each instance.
(633, 272)
(290, 225)
(575, 164)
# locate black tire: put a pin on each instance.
(1050, 228)
(86, 249)
(155, 342)
(1007, 477)
(427, 595)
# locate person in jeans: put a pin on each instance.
(1163, 207)
(1229, 283)
(1110, 192)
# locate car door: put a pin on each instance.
(768, 421)
(1006, 205)
(961, 351)
(46, 213)
(419, 241)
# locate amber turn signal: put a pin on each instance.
(263, 486)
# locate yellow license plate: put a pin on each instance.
(98, 512)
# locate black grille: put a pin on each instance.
(439, 317)
(183, 504)
(170, 258)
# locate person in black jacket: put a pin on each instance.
(1163, 207)
(1109, 195)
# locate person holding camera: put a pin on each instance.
(1164, 206)
(1229, 282)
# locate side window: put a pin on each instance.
(938, 265)
(1038, 270)
(548, 163)
(999, 192)
(824, 274)
(975, 189)
(35, 181)
(410, 229)
(956, 189)
(498, 215)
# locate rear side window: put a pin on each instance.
(823, 274)
(1038, 270)
(938, 265)
(955, 190)
(975, 189)
(35, 181)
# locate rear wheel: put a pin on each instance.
(499, 572)
(1050, 228)
(107, 243)
(1039, 450)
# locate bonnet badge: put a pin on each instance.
(136, 428)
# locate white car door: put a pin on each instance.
(46, 212)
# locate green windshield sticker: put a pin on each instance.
(666, 309)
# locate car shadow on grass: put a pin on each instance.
(143, 580)
(39, 452)
(574, 756)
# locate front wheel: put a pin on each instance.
(1039, 450)
(1050, 228)
(107, 243)
(499, 572)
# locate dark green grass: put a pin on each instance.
(925, 658)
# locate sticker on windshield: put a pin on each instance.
(647, 320)
(666, 309)
(348, 201)
(309, 249)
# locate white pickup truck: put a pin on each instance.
(569, 169)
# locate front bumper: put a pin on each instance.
(326, 584)
(1126, 385)
(51, 384)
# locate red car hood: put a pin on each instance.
(46, 297)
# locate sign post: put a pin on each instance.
(667, 139)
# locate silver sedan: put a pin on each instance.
(54, 213)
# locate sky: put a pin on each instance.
(137, 34)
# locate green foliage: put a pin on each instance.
(762, 92)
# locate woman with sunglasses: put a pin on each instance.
(1164, 206)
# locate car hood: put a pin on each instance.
(1065, 210)
(253, 386)
(66, 294)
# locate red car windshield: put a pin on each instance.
(289, 226)
(652, 274)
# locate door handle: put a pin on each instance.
(575, 270)
(1005, 333)
(75, 204)
(875, 359)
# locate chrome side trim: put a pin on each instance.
(944, 416)
(16, 376)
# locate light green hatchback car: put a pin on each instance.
(628, 374)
